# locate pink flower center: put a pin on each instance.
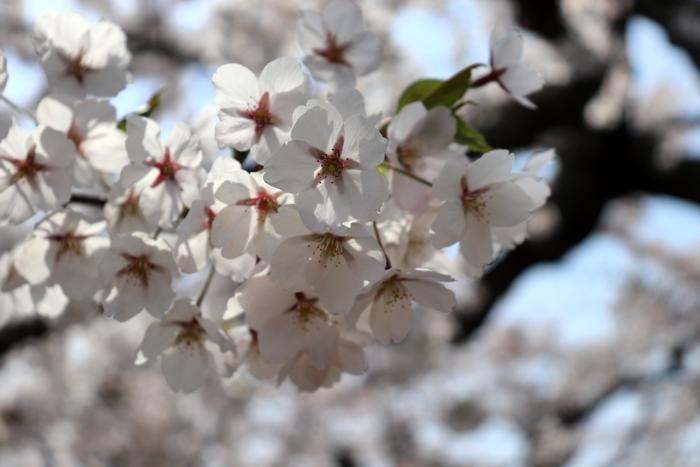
(260, 115)
(68, 243)
(334, 52)
(210, 216)
(167, 168)
(10, 276)
(130, 207)
(191, 332)
(25, 168)
(332, 164)
(75, 136)
(76, 67)
(472, 200)
(265, 204)
(307, 311)
(408, 155)
(138, 268)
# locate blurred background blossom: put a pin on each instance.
(580, 349)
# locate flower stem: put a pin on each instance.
(381, 245)
(489, 77)
(205, 287)
(408, 174)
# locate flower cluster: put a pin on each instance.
(333, 228)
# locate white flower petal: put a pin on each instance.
(236, 87)
(506, 47)
(185, 367)
(507, 205)
(282, 75)
(143, 139)
(157, 338)
(281, 338)
(477, 245)
(493, 167)
(431, 294)
(262, 300)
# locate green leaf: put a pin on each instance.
(470, 137)
(146, 110)
(437, 92)
(452, 90)
(418, 91)
(153, 103)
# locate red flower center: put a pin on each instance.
(332, 164)
(130, 207)
(76, 67)
(68, 243)
(307, 310)
(472, 200)
(260, 114)
(210, 216)
(191, 332)
(25, 168)
(334, 51)
(75, 136)
(138, 268)
(265, 204)
(167, 168)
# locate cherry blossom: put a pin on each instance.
(256, 113)
(331, 165)
(65, 249)
(507, 69)
(193, 249)
(536, 188)
(289, 323)
(91, 126)
(81, 58)
(254, 211)
(407, 240)
(183, 340)
(336, 45)
(419, 142)
(477, 197)
(35, 172)
(332, 263)
(166, 177)
(123, 212)
(246, 341)
(349, 358)
(389, 301)
(138, 271)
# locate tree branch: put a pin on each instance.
(20, 331)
